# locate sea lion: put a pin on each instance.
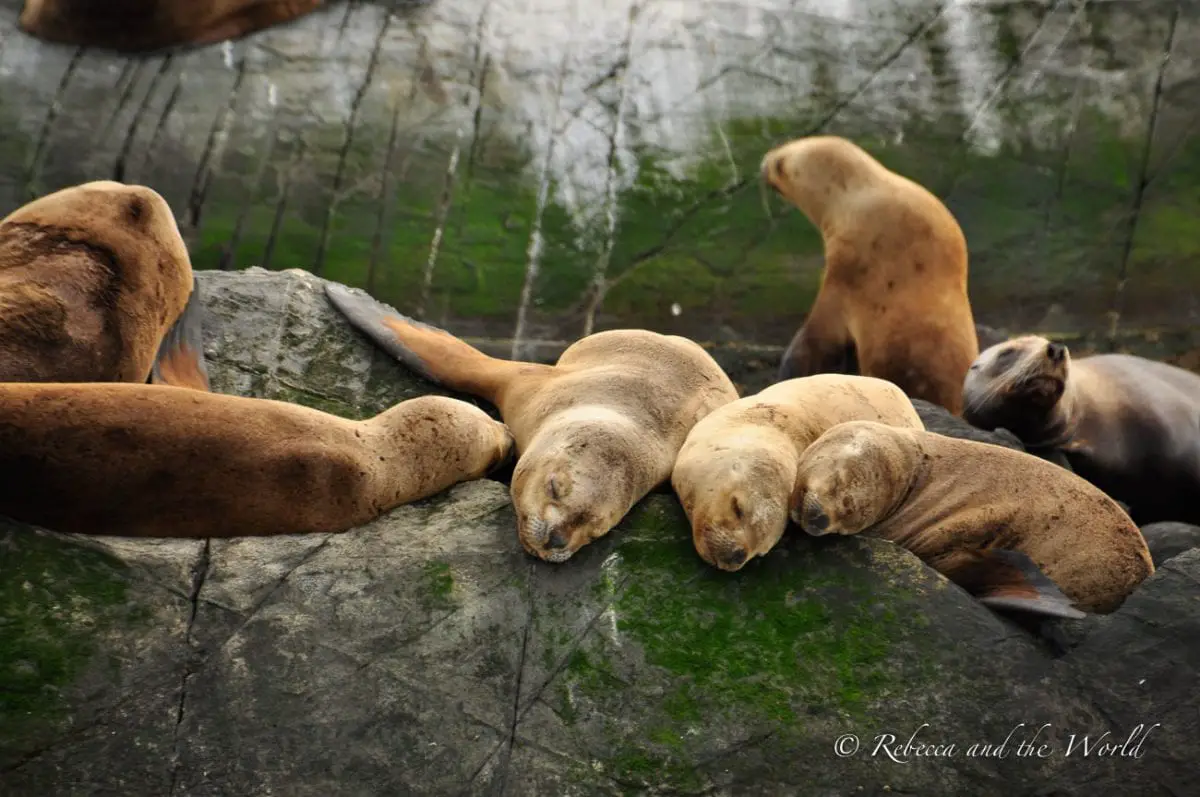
(94, 281)
(1014, 530)
(594, 433)
(141, 26)
(1126, 424)
(737, 468)
(893, 296)
(163, 461)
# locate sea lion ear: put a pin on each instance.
(180, 360)
(1003, 579)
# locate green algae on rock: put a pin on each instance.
(57, 601)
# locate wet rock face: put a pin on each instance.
(427, 653)
(511, 168)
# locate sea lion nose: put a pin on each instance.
(555, 541)
(1055, 351)
(735, 557)
(815, 521)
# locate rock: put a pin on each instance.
(989, 336)
(1168, 540)
(425, 652)
(940, 420)
(273, 334)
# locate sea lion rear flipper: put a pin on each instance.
(433, 353)
(1008, 579)
(180, 360)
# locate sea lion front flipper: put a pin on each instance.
(1005, 579)
(180, 360)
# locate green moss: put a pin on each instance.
(56, 599)
(764, 650)
(736, 642)
(438, 581)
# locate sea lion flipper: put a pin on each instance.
(375, 319)
(1011, 580)
(433, 353)
(180, 361)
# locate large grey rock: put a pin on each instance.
(426, 653)
(1169, 539)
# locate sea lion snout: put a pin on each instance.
(813, 519)
(733, 558)
(555, 541)
(1055, 352)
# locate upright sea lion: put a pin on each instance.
(737, 468)
(893, 297)
(1129, 425)
(148, 25)
(1012, 529)
(92, 279)
(163, 461)
(595, 432)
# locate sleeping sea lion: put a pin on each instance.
(595, 432)
(1014, 530)
(163, 461)
(737, 468)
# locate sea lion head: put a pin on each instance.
(131, 225)
(130, 221)
(575, 481)
(853, 476)
(734, 491)
(814, 172)
(1019, 385)
(113, 247)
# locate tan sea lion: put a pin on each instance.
(595, 432)
(148, 25)
(893, 298)
(1129, 425)
(94, 290)
(1012, 529)
(737, 468)
(92, 279)
(163, 461)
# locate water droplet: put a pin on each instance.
(676, 309)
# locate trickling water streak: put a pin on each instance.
(439, 230)
(611, 202)
(992, 98)
(964, 33)
(534, 251)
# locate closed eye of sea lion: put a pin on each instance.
(893, 298)
(737, 468)
(594, 433)
(161, 461)
(149, 25)
(92, 279)
(1129, 425)
(1012, 529)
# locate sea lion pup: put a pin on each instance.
(595, 432)
(737, 468)
(1126, 424)
(1012, 529)
(94, 281)
(162, 461)
(893, 296)
(148, 25)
